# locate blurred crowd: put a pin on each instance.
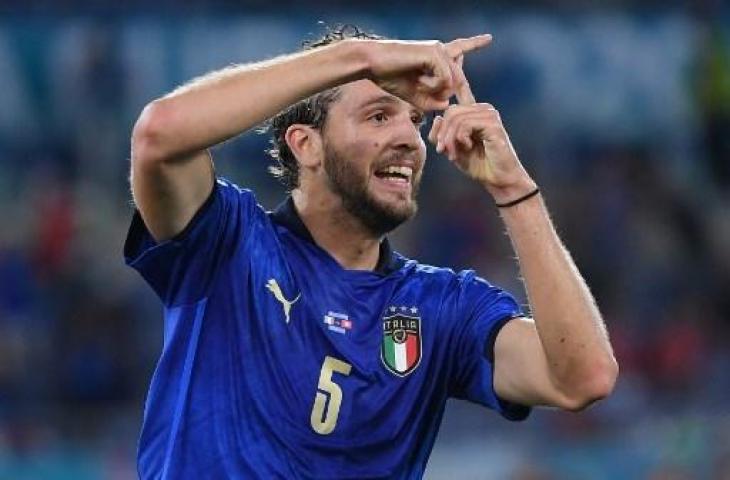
(623, 119)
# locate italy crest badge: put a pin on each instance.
(401, 348)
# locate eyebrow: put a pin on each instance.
(388, 99)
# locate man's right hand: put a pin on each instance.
(420, 72)
(172, 173)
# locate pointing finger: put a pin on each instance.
(464, 95)
(461, 46)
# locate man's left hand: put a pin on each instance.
(472, 136)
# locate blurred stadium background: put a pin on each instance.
(620, 109)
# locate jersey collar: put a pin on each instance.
(286, 215)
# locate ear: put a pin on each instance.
(305, 142)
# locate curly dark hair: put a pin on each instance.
(310, 111)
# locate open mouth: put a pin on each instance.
(395, 174)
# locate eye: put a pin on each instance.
(379, 117)
(418, 119)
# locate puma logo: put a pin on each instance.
(274, 288)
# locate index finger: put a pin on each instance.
(461, 46)
(464, 95)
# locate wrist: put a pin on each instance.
(356, 53)
(504, 195)
(519, 200)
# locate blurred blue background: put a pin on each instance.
(621, 110)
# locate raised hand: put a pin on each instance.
(420, 72)
(472, 136)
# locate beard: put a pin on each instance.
(352, 187)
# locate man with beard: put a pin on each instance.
(297, 343)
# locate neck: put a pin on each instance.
(337, 231)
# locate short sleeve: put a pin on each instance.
(182, 269)
(483, 310)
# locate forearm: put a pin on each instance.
(223, 104)
(569, 325)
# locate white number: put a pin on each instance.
(324, 413)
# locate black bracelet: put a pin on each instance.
(519, 200)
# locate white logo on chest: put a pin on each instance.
(274, 288)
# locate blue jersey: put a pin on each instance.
(279, 363)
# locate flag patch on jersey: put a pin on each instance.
(337, 322)
(401, 349)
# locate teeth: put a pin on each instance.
(397, 180)
(401, 170)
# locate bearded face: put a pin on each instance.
(358, 189)
(374, 155)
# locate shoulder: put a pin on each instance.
(438, 274)
(244, 220)
(227, 187)
(242, 199)
(463, 288)
(444, 277)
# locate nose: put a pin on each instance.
(406, 135)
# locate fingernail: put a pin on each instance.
(439, 147)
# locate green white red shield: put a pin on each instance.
(401, 348)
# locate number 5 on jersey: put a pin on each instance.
(324, 412)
